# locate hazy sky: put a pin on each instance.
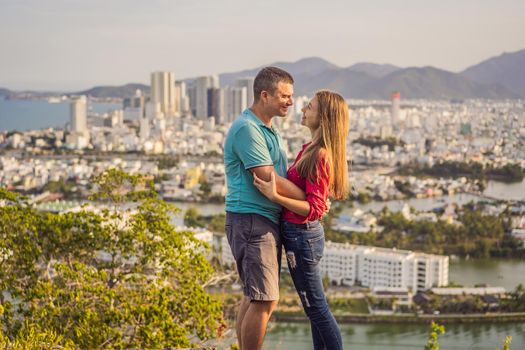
(76, 44)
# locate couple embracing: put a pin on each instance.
(269, 205)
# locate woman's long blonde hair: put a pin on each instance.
(330, 138)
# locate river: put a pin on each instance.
(506, 273)
(506, 191)
(296, 336)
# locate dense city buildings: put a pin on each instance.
(176, 133)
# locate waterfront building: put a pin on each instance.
(78, 136)
(78, 114)
(347, 264)
(374, 267)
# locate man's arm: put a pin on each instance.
(285, 187)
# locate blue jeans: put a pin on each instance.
(304, 245)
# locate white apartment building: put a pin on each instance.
(373, 267)
(347, 264)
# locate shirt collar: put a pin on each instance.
(250, 115)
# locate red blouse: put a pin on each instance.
(316, 192)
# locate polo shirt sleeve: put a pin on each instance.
(250, 145)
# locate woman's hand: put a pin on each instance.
(268, 188)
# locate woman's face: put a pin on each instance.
(310, 117)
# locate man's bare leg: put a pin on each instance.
(243, 307)
(254, 323)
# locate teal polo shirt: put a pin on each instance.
(249, 143)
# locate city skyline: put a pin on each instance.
(64, 45)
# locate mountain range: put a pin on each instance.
(495, 78)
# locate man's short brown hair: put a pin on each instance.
(267, 80)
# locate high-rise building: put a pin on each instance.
(78, 136)
(246, 82)
(78, 114)
(181, 98)
(144, 129)
(114, 118)
(202, 97)
(234, 102)
(134, 106)
(191, 91)
(163, 92)
(213, 81)
(394, 109)
(216, 103)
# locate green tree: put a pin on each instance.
(119, 277)
(60, 186)
(205, 187)
(217, 222)
(363, 198)
(506, 343)
(192, 218)
(435, 331)
(326, 282)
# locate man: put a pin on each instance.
(253, 145)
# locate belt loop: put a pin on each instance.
(308, 225)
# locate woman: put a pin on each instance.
(320, 169)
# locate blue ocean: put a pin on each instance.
(23, 115)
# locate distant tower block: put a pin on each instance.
(78, 136)
(163, 92)
(78, 114)
(394, 109)
(201, 97)
(248, 84)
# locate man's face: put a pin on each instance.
(281, 99)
